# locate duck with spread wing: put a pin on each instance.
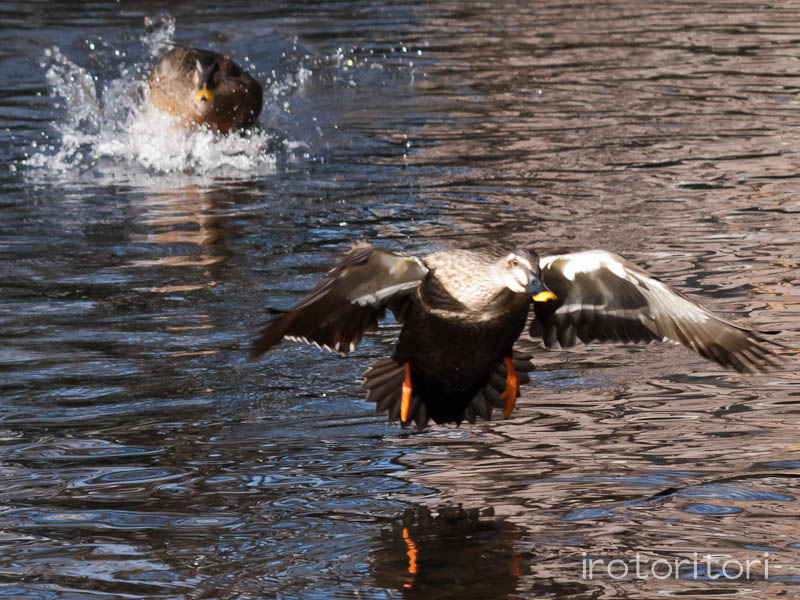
(462, 311)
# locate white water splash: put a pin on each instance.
(160, 34)
(110, 129)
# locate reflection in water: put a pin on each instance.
(142, 456)
(183, 218)
(412, 558)
(188, 236)
(417, 554)
(453, 552)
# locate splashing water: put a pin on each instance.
(160, 34)
(100, 132)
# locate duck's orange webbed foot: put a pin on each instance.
(405, 400)
(511, 392)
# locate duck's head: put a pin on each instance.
(519, 272)
(206, 78)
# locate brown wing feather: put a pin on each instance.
(349, 301)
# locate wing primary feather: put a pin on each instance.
(602, 297)
(348, 302)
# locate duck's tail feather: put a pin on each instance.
(488, 398)
(384, 383)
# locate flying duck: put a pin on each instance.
(201, 87)
(463, 310)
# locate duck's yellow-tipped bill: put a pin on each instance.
(545, 296)
(203, 94)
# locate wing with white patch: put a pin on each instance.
(348, 302)
(602, 297)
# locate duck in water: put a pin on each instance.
(205, 88)
(463, 310)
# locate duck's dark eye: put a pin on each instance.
(514, 263)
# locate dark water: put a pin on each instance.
(142, 456)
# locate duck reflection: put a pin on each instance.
(187, 235)
(183, 246)
(449, 553)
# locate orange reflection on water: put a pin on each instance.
(412, 558)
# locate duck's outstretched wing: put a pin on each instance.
(602, 297)
(348, 302)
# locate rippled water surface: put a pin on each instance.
(142, 456)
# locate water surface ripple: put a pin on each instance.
(141, 455)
